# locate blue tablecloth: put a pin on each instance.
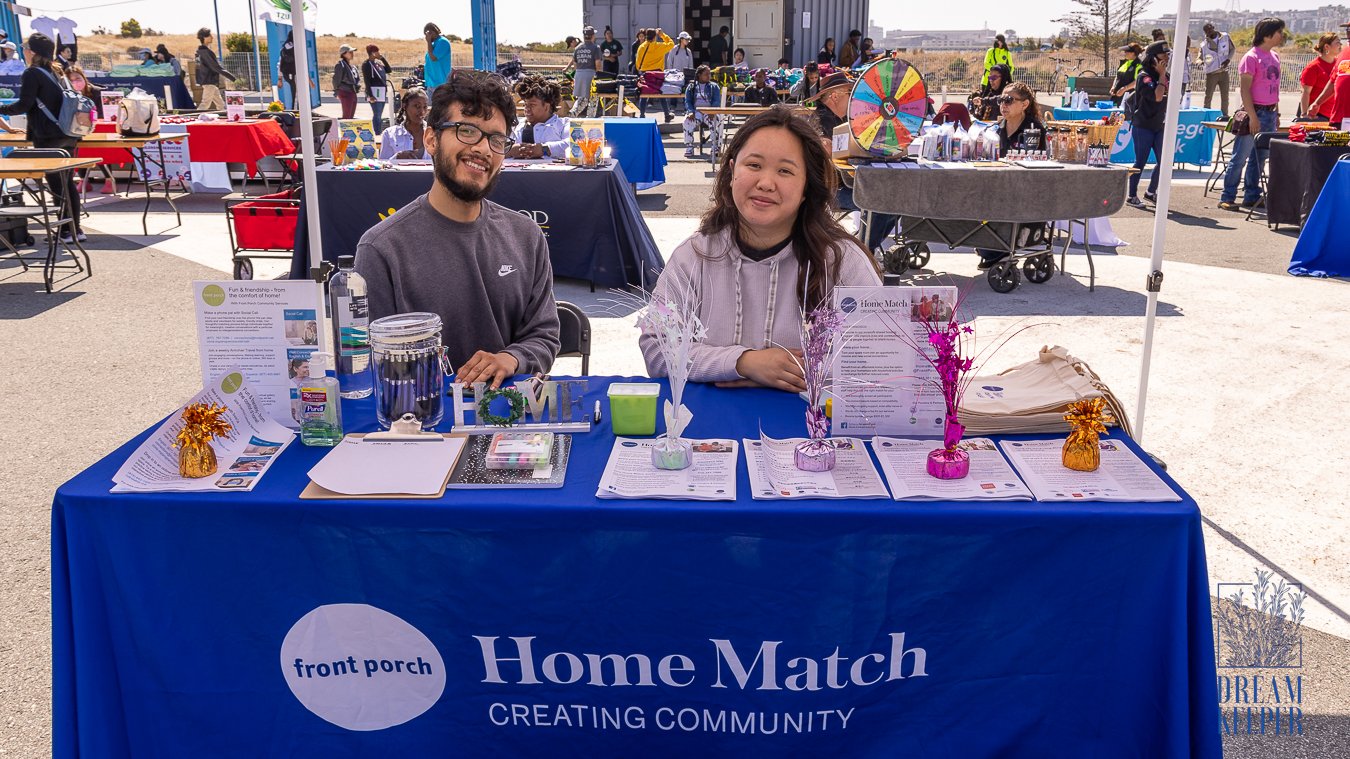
(1040, 629)
(636, 144)
(1195, 142)
(154, 85)
(1322, 250)
(594, 227)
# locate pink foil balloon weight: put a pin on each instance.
(949, 462)
(817, 453)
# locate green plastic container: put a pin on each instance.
(632, 407)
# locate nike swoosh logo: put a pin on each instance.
(502, 272)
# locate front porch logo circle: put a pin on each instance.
(360, 667)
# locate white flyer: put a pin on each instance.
(889, 388)
(266, 329)
(234, 106)
(774, 474)
(1122, 476)
(905, 463)
(254, 442)
(711, 477)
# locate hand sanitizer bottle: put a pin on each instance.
(320, 407)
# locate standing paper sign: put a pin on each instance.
(890, 389)
(234, 106)
(360, 137)
(110, 99)
(265, 330)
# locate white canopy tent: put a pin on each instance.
(1155, 277)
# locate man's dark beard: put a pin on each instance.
(461, 191)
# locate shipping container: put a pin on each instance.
(767, 29)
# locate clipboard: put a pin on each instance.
(313, 491)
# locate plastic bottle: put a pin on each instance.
(351, 329)
(320, 407)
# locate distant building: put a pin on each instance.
(1327, 18)
(943, 39)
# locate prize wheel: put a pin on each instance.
(887, 107)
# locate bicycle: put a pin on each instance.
(1061, 69)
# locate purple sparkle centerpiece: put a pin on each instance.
(820, 330)
(673, 320)
(946, 338)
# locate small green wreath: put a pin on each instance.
(517, 407)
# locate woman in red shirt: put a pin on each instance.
(1316, 75)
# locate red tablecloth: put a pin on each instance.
(239, 142)
(109, 156)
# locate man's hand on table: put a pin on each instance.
(487, 367)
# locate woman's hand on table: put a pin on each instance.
(4, 124)
(778, 368)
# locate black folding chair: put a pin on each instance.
(574, 332)
(1262, 142)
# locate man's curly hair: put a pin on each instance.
(536, 86)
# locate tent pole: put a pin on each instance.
(1170, 131)
(257, 56)
(307, 147)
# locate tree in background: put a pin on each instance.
(242, 42)
(1096, 25)
(131, 28)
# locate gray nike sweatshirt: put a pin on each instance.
(490, 280)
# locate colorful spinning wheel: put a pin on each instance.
(887, 107)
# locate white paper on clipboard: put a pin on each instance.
(358, 466)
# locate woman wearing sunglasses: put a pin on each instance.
(1019, 124)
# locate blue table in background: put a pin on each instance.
(1195, 143)
(1322, 249)
(153, 85)
(1045, 629)
(636, 144)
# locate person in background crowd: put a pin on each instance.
(760, 93)
(65, 56)
(1127, 73)
(702, 93)
(826, 54)
(482, 268)
(719, 48)
(850, 55)
(767, 250)
(651, 60)
(437, 62)
(346, 81)
(832, 112)
(162, 55)
(681, 57)
(867, 52)
(808, 86)
(738, 61)
(404, 139)
(984, 104)
(1216, 52)
(41, 84)
(1150, 115)
(638, 42)
(375, 73)
(1316, 76)
(998, 54)
(586, 61)
(286, 68)
(1260, 87)
(10, 62)
(610, 49)
(1019, 124)
(81, 84)
(1337, 91)
(543, 133)
(1158, 35)
(209, 72)
(783, 71)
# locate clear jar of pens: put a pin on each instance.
(406, 359)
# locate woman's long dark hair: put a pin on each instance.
(817, 239)
(1022, 91)
(415, 92)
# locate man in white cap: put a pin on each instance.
(586, 60)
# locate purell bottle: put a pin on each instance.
(351, 329)
(320, 407)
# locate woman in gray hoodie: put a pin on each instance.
(768, 250)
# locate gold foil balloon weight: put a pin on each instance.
(1087, 420)
(201, 423)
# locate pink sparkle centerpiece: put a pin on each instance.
(947, 356)
(671, 317)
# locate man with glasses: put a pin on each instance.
(482, 268)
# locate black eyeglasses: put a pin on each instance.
(472, 135)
